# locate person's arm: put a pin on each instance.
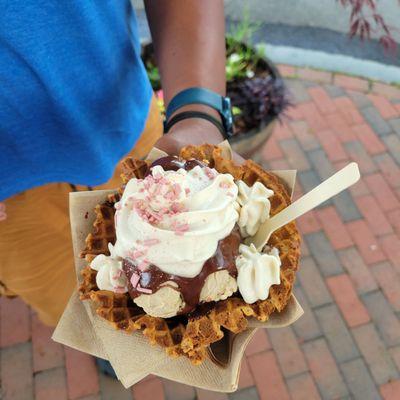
(189, 42)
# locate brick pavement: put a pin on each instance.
(347, 345)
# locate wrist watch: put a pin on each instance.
(199, 95)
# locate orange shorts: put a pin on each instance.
(36, 261)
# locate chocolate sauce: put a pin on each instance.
(190, 288)
(173, 163)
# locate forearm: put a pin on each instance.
(189, 42)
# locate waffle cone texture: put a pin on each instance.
(191, 336)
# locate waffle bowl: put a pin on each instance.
(181, 336)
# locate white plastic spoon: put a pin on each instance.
(344, 178)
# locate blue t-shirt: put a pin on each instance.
(74, 94)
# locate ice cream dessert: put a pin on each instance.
(177, 261)
(179, 233)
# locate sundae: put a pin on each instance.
(167, 253)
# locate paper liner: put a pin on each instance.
(131, 355)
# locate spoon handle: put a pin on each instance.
(344, 178)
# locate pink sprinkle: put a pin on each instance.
(143, 290)
(224, 185)
(209, 173)
(151, 242)
(187, 190)
(135, 279)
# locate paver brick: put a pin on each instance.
(324, 369)
(332, 146)
(302, 387)
(382, 192)
(347, 300)
(290, 357)
(151, 389)
(82, 377)
(358, 271)
(258, 343)
(322, 100)
(395, 124)
(312, 116)
(342, 128)
(384, 106)
(178, 391)
(388, 168)
(395, 354)
(336, 333)
(268, 377)
(271, 150)
(208, 395)
(389, 280)
(294, 154)
(306, 327)
(393, 145)
(51, 384)
(312, 283)
(359, 380)
(321, 164)
(334, 228)
(282, 131)
(358, 154)
(303, 134)
(375, 354)
(350, 82)
(46, 353)
(372, 213)
(245, 378)
(112, 389)
(308, 223)
(348, 110)
(391, 247)
(334, 91)
(391, 390)
(370, 140)
(16, 372)
(245, 394)
(314, 75)
(15, 322)
(298, 91)
(383, 317)
(389, 91)
(278, 164)
(359, 99)
(394, 218)
(375, 120)
(359, 189)
(323, 254)
(366, 242)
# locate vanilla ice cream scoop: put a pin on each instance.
(165, 303)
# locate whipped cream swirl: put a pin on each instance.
(257, 272)
(255, 207)
(174, 219)
(110, 275)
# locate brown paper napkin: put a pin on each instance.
(131, 356)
